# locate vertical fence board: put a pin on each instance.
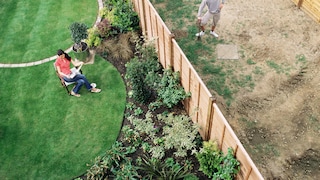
(218, 128)
(177, 58)
(203, 112)
(161, 47)
(245, 165)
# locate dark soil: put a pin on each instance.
(119, 64)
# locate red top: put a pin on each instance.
(64, 65)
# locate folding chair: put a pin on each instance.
(62, 81)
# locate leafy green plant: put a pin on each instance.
(146, 125)
(131, 136)
(157, 152)
(179, 133)
(214, 164)
(121, 15)
(139, 69)
(170, 92)
(93, 39)
(138, 111)
(110, 163)
(169, 169)
(104, 28)
(78, 33)
(126, 171)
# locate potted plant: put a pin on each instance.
(78, 34)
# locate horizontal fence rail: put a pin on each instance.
(201, 105)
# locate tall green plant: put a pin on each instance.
(121, 15)
(170, 92)
(214, 164)
(139, 70)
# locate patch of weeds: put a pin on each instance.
(174, 5)
(241, 52)
(314, 123)
(270, 149)
(300, 58)
(247, 123)
(211, 69)
(162, 13)
(278, 68)
(258, 70)
(157, 1)
(250, 61)
(193, 49)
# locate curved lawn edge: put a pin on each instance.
(47, 134)
(37, 62)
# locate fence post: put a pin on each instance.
(209, 117)
(300, 3)
(171, 50)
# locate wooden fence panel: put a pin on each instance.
(200, 106)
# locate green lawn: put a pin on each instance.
(34, 30)
(47, 134)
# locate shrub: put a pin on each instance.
(78, 32)
(214, 164)
(138, 72)
(170, 92)
(179, 133)
(121, 15)
(93, 39)
(104, 28)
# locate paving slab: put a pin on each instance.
(227, 52)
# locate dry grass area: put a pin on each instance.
(279, 120)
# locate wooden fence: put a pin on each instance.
(311, 7)
(201, 106)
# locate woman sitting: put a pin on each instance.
(63, 68)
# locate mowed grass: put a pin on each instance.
(47, 134)
(34, 30)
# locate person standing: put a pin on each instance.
(213, 12)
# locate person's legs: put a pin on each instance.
(80, 79)
(204, 21)
(77, 88)
(215, 20)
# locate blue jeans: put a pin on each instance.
(80, 79)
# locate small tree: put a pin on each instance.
(78, 33)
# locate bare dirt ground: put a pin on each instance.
(279, 120)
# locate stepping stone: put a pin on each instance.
(227, 52)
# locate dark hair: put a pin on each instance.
(60, 52)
